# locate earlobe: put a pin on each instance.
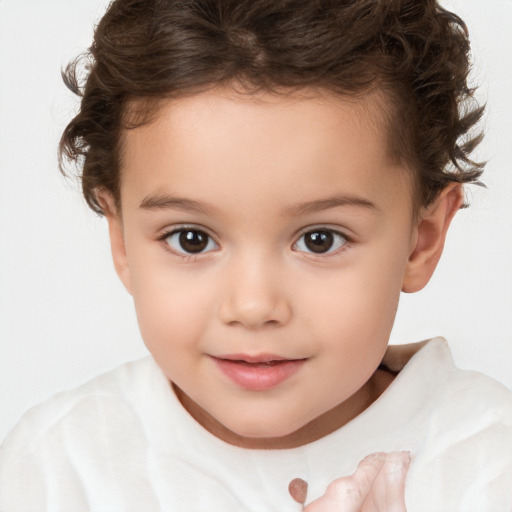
(430, 236)
(115, 228)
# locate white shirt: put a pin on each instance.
(123, 442)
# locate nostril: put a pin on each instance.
(267, 312)
(254, 325)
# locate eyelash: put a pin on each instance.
(189, 257)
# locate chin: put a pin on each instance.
(258, 429)
(262, 433)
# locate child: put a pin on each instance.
(273, 175)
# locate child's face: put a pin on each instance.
(265, 228)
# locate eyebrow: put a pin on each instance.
(329, 202)
(164, 202)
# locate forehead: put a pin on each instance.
(280, 145)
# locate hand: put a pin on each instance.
(377, 485)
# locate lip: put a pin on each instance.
(257, 373)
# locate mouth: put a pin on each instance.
(257, 373)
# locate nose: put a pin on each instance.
(255, 296)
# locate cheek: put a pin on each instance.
(361, 299)
(353, 334)
(356, 312)
(172, 309)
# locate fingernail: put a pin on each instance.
(397, 465)
(402, 459)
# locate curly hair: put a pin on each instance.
(145, 51)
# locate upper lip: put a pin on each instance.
(259, 358)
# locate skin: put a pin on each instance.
(377, 485)
(255, 173)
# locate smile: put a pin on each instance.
(257, 373)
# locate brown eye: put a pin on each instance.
(190, 241)
(193, 241)
(320, 241)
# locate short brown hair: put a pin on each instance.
(415, 51)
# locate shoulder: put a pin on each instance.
(95, 447)
(466, 449)
(62, 437)
(462, 397)
(458, 404)
(471, 413)
(430, 384)
(113, 388)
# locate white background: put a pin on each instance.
(64, 317)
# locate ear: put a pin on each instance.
(430, 236)
(116, 232)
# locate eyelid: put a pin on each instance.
(174, 228)
(325, 227)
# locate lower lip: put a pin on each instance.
(258, 377)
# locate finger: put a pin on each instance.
(348, 494)
(387, 493)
